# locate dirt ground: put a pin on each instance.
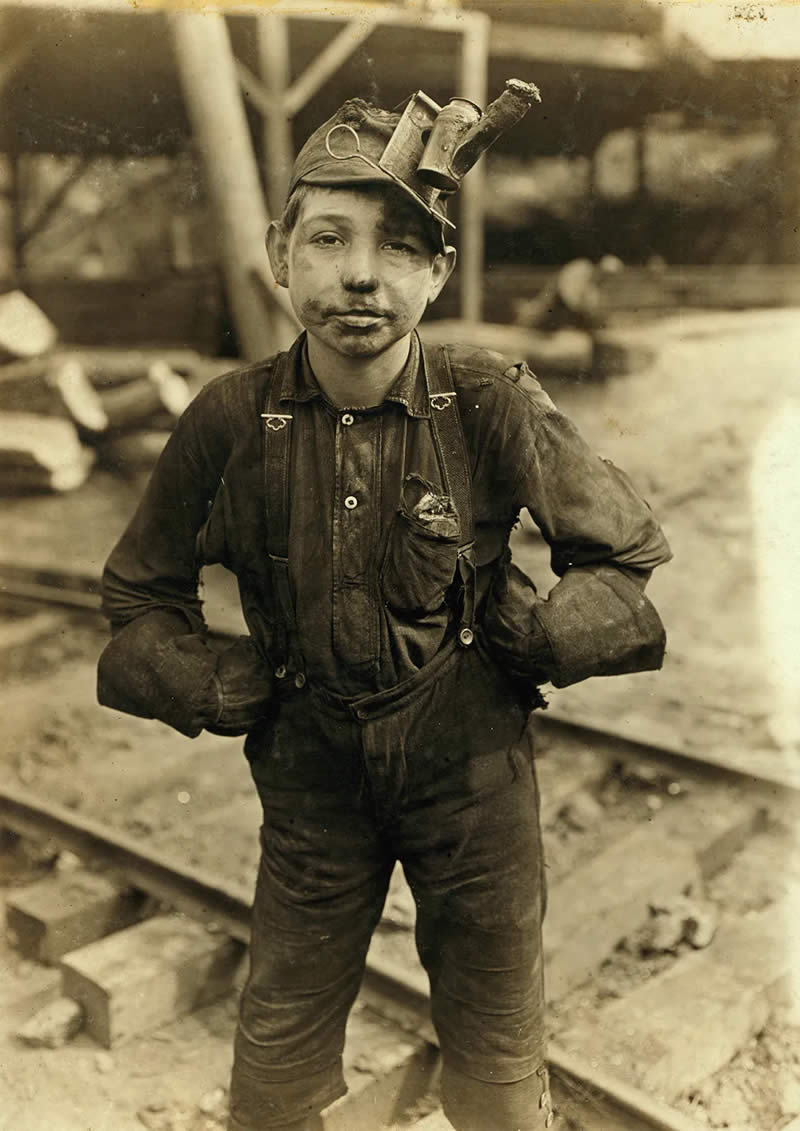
(709, 435)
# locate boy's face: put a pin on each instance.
(359, 267)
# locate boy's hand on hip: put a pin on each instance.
(244, 684)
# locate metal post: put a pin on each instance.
(474, 82)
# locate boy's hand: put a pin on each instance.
(244, 685)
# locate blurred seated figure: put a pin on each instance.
(570, 298)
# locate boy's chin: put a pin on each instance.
(358, 344)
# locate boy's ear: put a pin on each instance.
(443, 266)
(278, 252)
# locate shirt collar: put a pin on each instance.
(408, 388)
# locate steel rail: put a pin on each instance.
(595, 1099)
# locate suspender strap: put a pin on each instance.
(277, 460)
(448, 436)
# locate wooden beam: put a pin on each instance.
(272, 36)
(203, 48)
(12, 57)
(574, 46)
(387, 15)
(327, 63)
(473, 84)
(51, 205)
(787, 228)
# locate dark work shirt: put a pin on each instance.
(205, 503)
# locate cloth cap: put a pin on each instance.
(359, 145)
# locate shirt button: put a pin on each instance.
(351, 502)
(347, 418)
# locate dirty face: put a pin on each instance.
(360, 267)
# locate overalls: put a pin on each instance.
(436, 772)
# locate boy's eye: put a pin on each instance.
(326, 239)
(400, 245)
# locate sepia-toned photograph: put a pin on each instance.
(399, 565)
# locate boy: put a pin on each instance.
(363, 489)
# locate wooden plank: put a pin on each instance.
(574, 47)
(606, 899)
(682, 1026)
(148, 975)
(24, 986)
(25, 330)
(65, 912)
(40, 453)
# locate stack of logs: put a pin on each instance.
(64, 409)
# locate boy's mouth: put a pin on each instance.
(359, 317)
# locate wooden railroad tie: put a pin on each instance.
(148, 975)
(62, 913)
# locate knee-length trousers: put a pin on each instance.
(438, 772)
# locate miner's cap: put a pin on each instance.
(425, 150)
(348, 150)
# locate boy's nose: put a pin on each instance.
(359, 270)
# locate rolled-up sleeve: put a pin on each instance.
(158, 663)
(604, 543)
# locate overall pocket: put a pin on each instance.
(422, 550)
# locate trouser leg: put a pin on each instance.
(320, 891)
(470, 844)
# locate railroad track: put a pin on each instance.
(630, 829)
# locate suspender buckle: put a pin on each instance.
(441, 400)
(275, 421)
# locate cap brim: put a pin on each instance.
(351, 170)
